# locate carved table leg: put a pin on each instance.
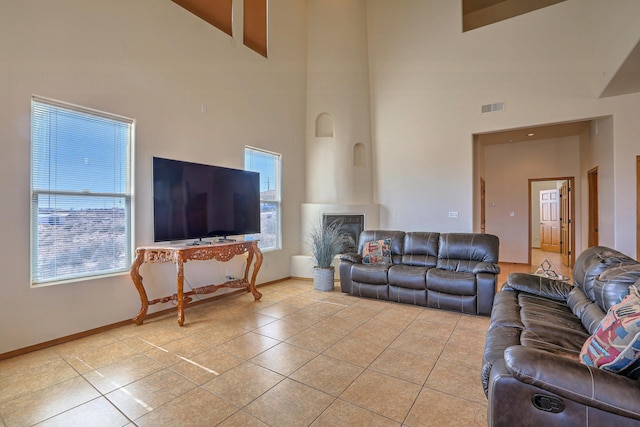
(180, 284)
(137, 281)
(252, 284)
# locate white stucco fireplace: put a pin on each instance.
(313, 215)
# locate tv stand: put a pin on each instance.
(226, 240)
(179, 255)
(199, 242)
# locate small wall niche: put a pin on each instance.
(325, 125)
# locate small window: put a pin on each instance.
(81, 181)
(268, 164)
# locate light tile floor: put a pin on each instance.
(537, 256)
(297, 357)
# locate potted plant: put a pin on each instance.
(324, 244)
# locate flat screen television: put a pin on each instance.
(197, 201)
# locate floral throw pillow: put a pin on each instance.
(615, 344)
(377, 252)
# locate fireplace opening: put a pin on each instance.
(351, 224)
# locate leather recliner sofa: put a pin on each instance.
(453, 271)
(532, 373)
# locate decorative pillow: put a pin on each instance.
(377, 252)
(615, 344)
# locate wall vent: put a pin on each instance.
(489, 108)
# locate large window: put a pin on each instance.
(268, 164)
(81, 181)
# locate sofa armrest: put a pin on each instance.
(538, 285)
(351, 257)
(486, 267)
(572, 380)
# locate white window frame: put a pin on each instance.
(276, 201)
(124, 264)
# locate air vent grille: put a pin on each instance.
(489, 108)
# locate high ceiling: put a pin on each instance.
(478, 13)
(627, 78)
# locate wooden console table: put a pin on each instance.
(179, 255)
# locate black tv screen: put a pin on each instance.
(195, 201)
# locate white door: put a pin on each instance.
(550, 220)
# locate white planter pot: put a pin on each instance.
(323, 279)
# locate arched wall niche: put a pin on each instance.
(325, 125)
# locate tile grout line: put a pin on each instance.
(377, 311)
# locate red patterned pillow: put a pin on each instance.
(377, 252)
(615, 344)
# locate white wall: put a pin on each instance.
(626, 146)
(615, 26)
(508, 169)
(157, 63)
(338, 84)
(428, 81)
(597, 148)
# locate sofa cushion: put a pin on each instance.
(593, 262)
(464, 251)
(550, 325)
(506, 311)
(375, 274)
(563, 342)
(451, 282)
(420, 249)
(615, 345)
(407, 276)
(613, 284)
(588, 311)
(377, 252)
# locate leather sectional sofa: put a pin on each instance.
(533, 374)
(453, 271)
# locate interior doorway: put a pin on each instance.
(551, 217)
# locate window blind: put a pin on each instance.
(81, 190)
(268, 164)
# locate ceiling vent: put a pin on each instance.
(489, 108)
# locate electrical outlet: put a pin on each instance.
(453, 214)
